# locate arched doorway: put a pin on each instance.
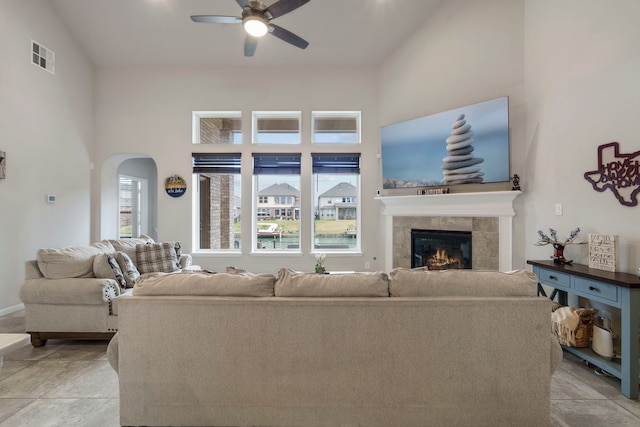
(129, 197)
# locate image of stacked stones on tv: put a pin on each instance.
(467, 145)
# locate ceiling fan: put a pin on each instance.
(256, 20)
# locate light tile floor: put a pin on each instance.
(70, 383)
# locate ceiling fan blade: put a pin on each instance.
(216, 19)
(288, 36)
(250, 44)
(244, 3)
(281, 7)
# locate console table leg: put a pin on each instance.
(629, 342)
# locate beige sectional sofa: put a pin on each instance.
(409, 348)
(73, 292)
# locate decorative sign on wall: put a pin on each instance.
(603, 252)
(175, 186)
(618, 172)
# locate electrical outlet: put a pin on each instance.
(559, 209)
(367, 265)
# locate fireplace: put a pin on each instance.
(441, 249)
(488, 215)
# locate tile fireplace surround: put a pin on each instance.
(487, 215)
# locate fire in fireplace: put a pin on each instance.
(440, 249)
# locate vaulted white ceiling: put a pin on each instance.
(160, 33)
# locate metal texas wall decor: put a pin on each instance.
(618, 172)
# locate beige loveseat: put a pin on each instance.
(413, 348)
(73, 292)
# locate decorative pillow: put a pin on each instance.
(365, 284)
(467, 283)
(205, 283)
(101, 267)
(128, 246)
(157, 257)
(117, 271)
(178, 247)
(129, 270)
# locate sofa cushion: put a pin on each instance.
(71, 261)
(128, 246)
(157, 257)
(362, 284)
(203, 283)
(468, 283)
(105, 266)
(129, 270)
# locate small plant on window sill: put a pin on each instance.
(320, 263)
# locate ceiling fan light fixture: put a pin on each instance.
(255, 26)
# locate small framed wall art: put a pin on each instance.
(175, 186)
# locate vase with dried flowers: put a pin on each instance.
(559, 244)
(319, 268)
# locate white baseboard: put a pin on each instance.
(13, 309)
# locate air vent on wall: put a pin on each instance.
(43, 57)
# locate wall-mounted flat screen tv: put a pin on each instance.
(468, 145)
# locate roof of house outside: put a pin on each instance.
(280, 190)
(344, 189)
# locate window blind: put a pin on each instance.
(276, 164)
(336, 163)
(221, 163)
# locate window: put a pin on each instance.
(336, 127)
(217, 179)
(276, 127)
(217, 127)
(133, 210)
(277, 177)
(336, 196)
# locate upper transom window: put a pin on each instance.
(217, 127)
(336, 127)
(276, 127)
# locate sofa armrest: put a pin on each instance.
(556, 354)
(112, 352)
(185, 261)
(80, 291)
(31, 270)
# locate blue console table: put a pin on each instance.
(621, 290)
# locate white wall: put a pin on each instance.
(148, 111)
(582, 90)
(572, 81)
(46, 131)
(467, 52)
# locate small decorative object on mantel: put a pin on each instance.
(3, 161)
(618, 172)
(516, 182)
(432, 191)
(175, 186)
(558, 244)
(603, 252)
(320, 263)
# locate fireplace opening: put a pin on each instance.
(440, 249)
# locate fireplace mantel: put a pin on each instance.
(487, 204)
